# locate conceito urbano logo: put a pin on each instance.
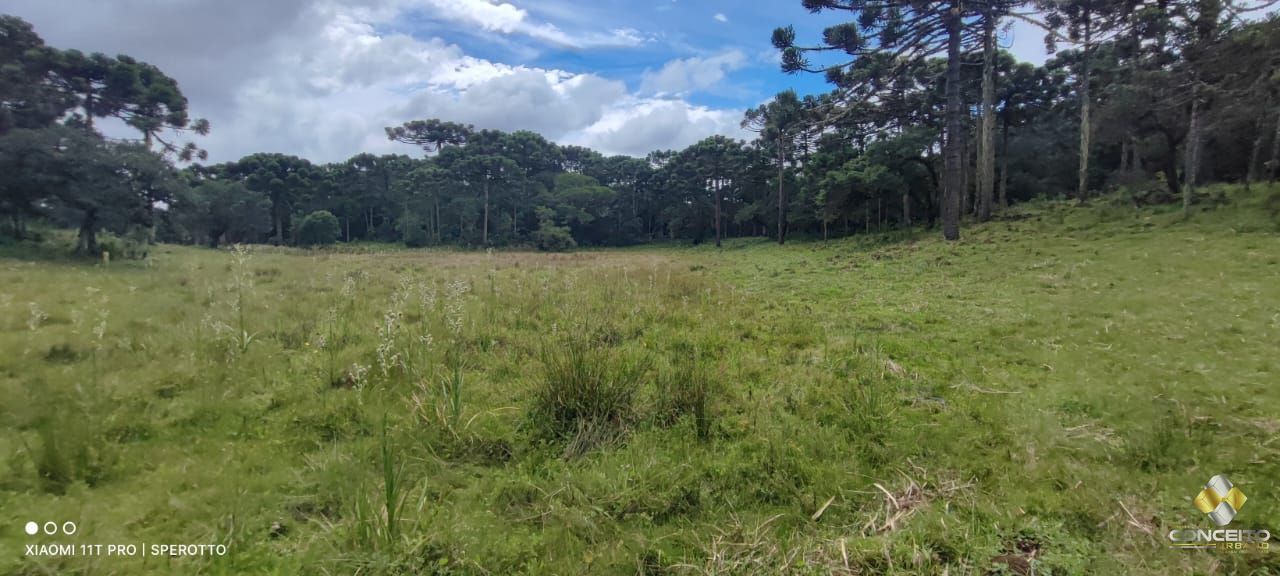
(1221, 501)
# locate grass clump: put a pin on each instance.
(685, 390)
(586, 397)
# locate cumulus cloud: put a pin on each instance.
(550, 103)
(684, 75)
(507, 18)
(640, 126)
(321, 79)
(720, 17)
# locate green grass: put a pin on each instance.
(1051, 391)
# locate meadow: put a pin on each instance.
(1045, 396)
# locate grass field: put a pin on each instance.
(1047, 395)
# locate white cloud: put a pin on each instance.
(640, 125)
(551, 103)
(504, 17)
(323, 79)
(681, 76)
(720, 17)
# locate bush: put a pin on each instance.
(587, 396)
(412, 232)
(319, 228)
(551, 238)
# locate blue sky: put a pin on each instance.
(322, 78)
(675, 29)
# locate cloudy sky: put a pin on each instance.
(321, 78)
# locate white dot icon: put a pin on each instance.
(32, 528)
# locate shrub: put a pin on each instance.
(133, 245)
(551, 238)
(416, 237)
(587, 395)
(319, 228)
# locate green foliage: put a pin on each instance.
(552, 238)
(216, 211)
(319, 228)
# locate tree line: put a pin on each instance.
(928, 122)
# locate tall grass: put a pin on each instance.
(685, 389)
(378, 520)
(586, 397)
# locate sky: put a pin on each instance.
(320, 79)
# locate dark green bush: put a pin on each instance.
(551, 238)
(319, 228)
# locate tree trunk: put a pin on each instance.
(1086, 70)
(716, 187)
(1135, 155)
(87, 243)
(214, 237)
(1004, 165)
(966, 169)
(906, 209)
(484, 234)
(279, 225)
(782, 206)
(987, 171)
(88, 109)
(1171, 167)
(1274, 165)
(955, 123)
(1255, 152)
(15, 219)
(1193, 150)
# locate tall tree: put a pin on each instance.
(282, 178)
(778, 122)
(135, 92)
(33, 166)
(27, 99)
(486, 172)
(1087, 23)
(889, 35)
(432, 135)
(111, 186)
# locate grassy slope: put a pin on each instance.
(1054, 388)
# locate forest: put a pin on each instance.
(928, 123)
